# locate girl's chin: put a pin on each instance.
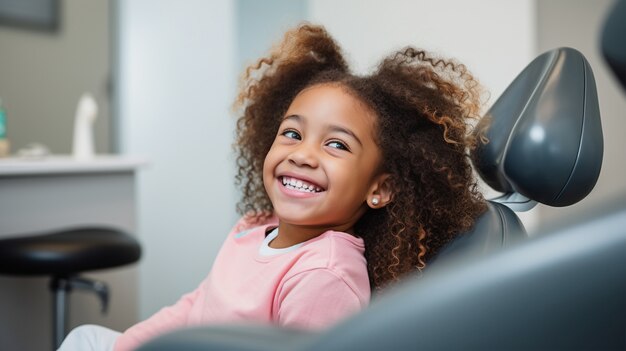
(291, 216)
(294, 217)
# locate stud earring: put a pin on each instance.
(375, 201)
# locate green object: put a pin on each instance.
(3, 122)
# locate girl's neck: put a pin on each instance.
(290, 234)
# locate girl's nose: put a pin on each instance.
(304, 156)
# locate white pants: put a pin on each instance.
(89, 338)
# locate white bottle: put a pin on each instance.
(86, 113)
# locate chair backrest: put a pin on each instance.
(562, 291)
(545, 145)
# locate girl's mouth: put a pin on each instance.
(299, 185)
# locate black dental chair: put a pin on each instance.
(494, 288)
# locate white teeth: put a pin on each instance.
(299, 185)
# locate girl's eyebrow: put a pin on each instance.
(335, 128)
(297, 118)
(332, 127)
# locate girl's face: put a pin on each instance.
(322, 169)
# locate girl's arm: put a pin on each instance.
(167, 319)
(171, 317)
(317, 299)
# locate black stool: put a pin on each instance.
(63, 255)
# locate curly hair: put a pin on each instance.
(425, 108)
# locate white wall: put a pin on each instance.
(495, 39)
(262, 23)
(177, 82)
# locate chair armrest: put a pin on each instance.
(230, 338)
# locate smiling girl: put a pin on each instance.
(349, 182)
(323, 166)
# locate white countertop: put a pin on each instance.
(56, 164)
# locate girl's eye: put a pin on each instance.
(338, 145)
(291, 134)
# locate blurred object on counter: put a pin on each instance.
(34, 151)
(86, 113)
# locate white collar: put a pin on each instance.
(266, 250)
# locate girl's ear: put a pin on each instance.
(381, 192)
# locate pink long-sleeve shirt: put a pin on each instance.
(312, 286)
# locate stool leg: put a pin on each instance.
(60, 288)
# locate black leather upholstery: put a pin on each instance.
(545, 138)
(497, 228)
(67, 252)
(545, 143)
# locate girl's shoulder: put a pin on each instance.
(335, 254)
(334, 238)
(247, 223)
(334, 249)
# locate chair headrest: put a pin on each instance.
(612, 42)
(545, 136)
